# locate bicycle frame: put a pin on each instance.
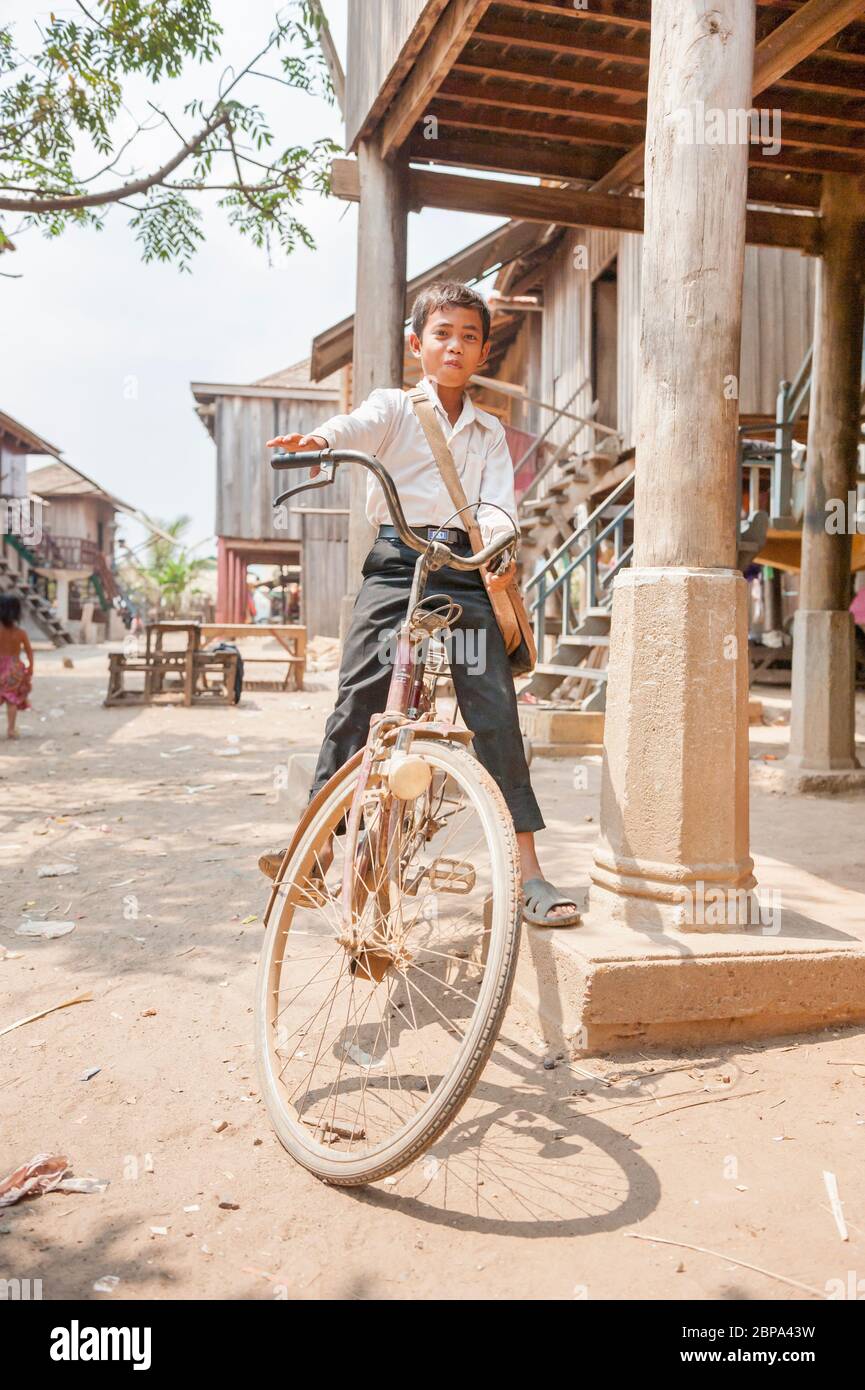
(407, 700)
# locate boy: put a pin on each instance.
(451, 336)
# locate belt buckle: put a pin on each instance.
(438, 535)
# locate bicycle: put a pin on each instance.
(385, 975)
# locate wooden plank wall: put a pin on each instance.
(78, 517)
(377, 31)
(245, 482)
(246, 486)
(777, 318)
(520, 366)
(566, 346)
(777, 323)
(13, 473)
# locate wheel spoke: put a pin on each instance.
(384, 999)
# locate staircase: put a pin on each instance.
(579, 535)
(575, 560)
(39, 609)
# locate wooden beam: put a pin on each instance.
(487, 61)
(530, 202)
(635, 48)
(770, 180)
(810, 161)
(345, 180)
(781, 189)
(810, 137)
(513, 96)
(430, 68)
(805, 106)
(624, 13)
(794, 39)
(628, 170)
(561, 38)
(798, 36)
(463, 115)
(814, 151)
(825, 81)
(564, 207)
(514, 155)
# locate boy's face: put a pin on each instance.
(452, 346)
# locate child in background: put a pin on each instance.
(15, 678)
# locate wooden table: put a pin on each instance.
(291, 636)
(197, 676)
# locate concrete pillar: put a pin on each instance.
(822, 737)
(674, 803)
(379, 334)
(61, 599)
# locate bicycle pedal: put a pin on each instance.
(451, 875)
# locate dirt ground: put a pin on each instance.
(539, 1188)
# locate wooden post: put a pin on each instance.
(693, 265)
(822, 736)
(674, 806)
(379, 334)
(221, 580)
(241, 590)
(229, 584)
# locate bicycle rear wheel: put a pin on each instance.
(367, 1046)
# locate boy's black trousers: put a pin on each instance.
(479, 665)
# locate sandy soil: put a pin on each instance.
(534, 1193)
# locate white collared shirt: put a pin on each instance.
(386, 426)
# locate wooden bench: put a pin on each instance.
(190, 673)
(291, 636)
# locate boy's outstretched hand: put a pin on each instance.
(299, 444)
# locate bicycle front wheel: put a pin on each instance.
(369, 1039)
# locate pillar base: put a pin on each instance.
(781, 780)
(674, 800)
(597, 989)
(822, 726)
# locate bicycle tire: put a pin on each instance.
(450, 1095)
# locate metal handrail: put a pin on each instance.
(588, 555)
(609, 501)
(789, 405)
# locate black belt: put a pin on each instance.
(450, 536)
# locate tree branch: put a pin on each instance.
(89, 200)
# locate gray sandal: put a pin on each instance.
(539, 898)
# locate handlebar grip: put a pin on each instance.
(304, 460)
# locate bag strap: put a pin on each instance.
(429, 423)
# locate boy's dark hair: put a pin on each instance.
(10, 610)
(442, 296)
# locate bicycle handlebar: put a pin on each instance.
(325, 457)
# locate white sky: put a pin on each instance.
(87, 316)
